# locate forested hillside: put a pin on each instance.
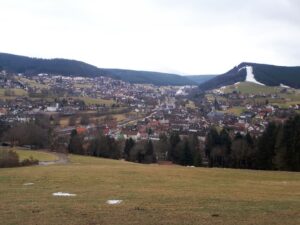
(269, 75)
(33, 66)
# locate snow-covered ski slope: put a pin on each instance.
(250, 75)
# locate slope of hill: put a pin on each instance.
(32, 66)
(156, 78)
(151, 194)
(199, 79)
(263, 74)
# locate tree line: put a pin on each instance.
(36, 133)
(184, 151)
(278, 148)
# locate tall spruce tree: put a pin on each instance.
(174, 141)
(186, 154)
(225, 142)
(212, 139)
(287, 147)
(195, 149)
(266, 148)
(129, 144)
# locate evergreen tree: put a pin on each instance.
(162, 147)
(195, 149)
(76, 144)
(186, 154)
(129, 143)
(149, 152)
(174, 153)
(266, 148)
(211, 141)
(251, 148)
(225, 143)
(288, 145)
(239, 152)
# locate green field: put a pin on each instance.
(26, 154)
(151, 194)
(15, 91)
(236, 110)
(41, 156)
(252, 88)
(93, 101)
(32, 83)
(190, 105)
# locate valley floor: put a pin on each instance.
(151, 194)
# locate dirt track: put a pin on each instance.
(62, 159)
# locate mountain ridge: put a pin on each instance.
(66, 67)
(265, 74)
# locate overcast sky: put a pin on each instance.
(180, 36)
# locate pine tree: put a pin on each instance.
(76, 144)
(225, 142)
(174, 153)
(288, 145)
(186, 154)
(212, 140)
(266, 148)
(162, 147)
(149, 152)
(129, 144)
(195, 149)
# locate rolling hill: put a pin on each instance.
(33, 66)
(150, 194)
(199, 79)
(263, 74)
(142, 77)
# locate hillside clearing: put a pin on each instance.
(150, 194)
(15, 92)
(93, 101)
(39, 155)
(252, 88)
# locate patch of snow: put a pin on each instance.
(181, 91)
(42, 163)
(114, 202)
(284, 86)
(63, 194)
(250, 75)
(28, 184)
(220, 90)
(241, 68)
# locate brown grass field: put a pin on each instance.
(151, 194)
(39, 155)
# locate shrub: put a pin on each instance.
(8, 158)
(29, 162)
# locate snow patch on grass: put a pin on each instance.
(284, 86)
(114, 202)
(63, 194)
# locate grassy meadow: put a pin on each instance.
(93, 101)
(15, 93)
(32, 83)
(41, 156)
(252, 88)
(151, 194)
